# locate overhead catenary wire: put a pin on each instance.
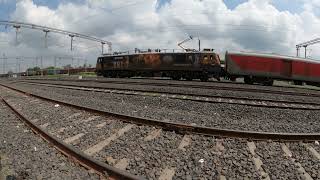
(107, 10)
(17, 25)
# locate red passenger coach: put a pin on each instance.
(264, 68)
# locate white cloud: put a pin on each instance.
(255, 25)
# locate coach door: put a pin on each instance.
(287, 68)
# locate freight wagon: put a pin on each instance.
(264, 68)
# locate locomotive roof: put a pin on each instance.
(269, 55)
(129, 54)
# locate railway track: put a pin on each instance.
(161, 150)
(256, 102)
(203, 86)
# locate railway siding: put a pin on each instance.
(260, 102)
(154, 153)
(227, 91)
(205, 114)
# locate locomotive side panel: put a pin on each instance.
(190, 65)
(164, 61)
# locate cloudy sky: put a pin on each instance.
(273, 26)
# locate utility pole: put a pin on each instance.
(305, 51)
(4, 63)
(102, 45)
(41, 66)
(55, 63)
(46, 38)
(27, 71)
(17, 66)
(85, 67)
(17, 30)
(36, 62)
(59, 61)
(47, 30)
(69, 69)
(71, 43)
(305, 45)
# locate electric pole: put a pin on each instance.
(85, 67)
(46, 38)
(71, 43)
(41, 66)
(17, 31)
(102, 45)
(55, 63)
(4, 63)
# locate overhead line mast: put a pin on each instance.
(305, 45)
(18, 25)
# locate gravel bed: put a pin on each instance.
(306, 159)
(239, 117)
(203, 158)
(148, 158)
(278, 85)
(238, 159)
(76, 127)
(44, 109)
(274, 162)
(95, 136)
(315, 146)
(25, 155)
(142, 162)
(195, 91)
(61, 117)
(145, 157)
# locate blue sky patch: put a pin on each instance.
(293, 6)
(231, 4)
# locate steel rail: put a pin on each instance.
(74, 154)
(195, 86)
(186, 128)
(226, 98)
